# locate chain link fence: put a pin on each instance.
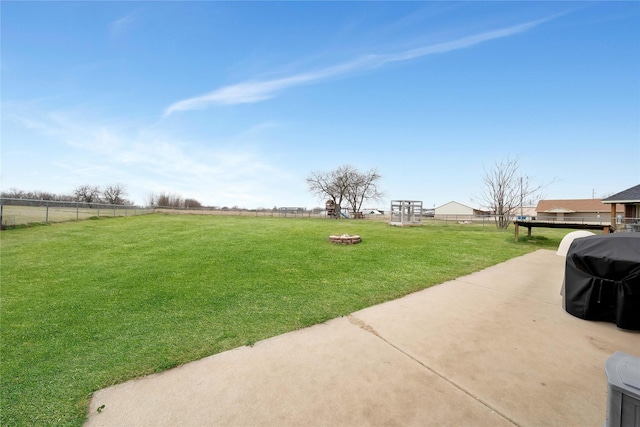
(15, 212)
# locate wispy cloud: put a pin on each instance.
(260, 90)
(122, 25)
(150, 160)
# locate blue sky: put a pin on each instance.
(235, 103)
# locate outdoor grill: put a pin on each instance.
(602, 279)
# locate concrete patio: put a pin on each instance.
(491, 348)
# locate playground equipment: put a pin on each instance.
(406, 213)
(334, 211)
(330, 206)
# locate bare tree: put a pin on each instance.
(345, 184)
(114, 194)
(505, 190)
(363, 186)
(87, 193)
(167, 200)
(192, 203)
(333, 184)
(14, 193)
(152, 199)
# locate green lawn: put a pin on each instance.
(89, 304)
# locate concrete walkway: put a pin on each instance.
(492, 348)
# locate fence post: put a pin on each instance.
(77, 215)
(46, 217)
(98, 211)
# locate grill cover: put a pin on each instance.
(602, 279)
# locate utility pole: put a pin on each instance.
(520, 196)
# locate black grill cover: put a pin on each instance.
(602, 279)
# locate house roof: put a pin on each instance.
(574, 205)
(630, 195)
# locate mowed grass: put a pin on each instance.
(90, 304)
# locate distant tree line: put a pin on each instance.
(14, 193)
(166, 200)
(113, 194)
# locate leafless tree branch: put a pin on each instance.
(505, 190)
(347, 185)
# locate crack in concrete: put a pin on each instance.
(368, 328)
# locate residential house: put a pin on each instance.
(630, 200)
(575, 210)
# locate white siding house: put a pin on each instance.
(455, 210)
